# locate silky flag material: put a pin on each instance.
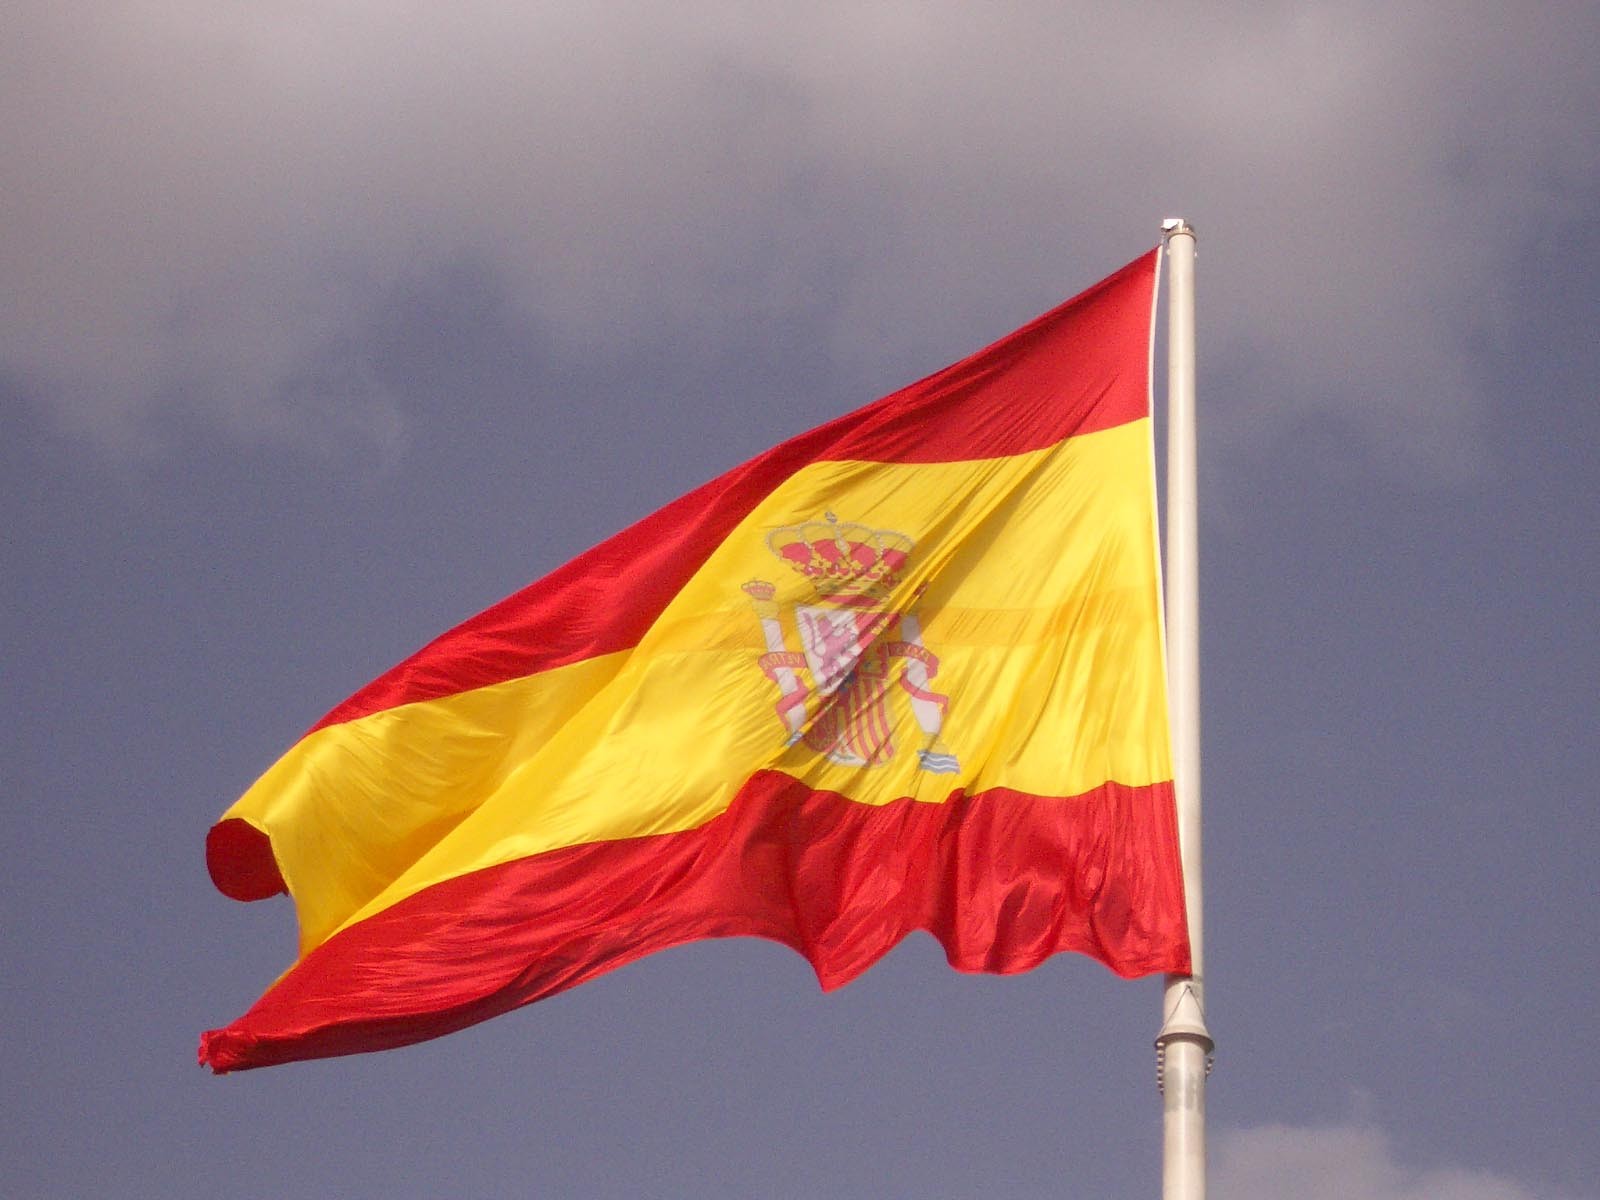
(902, 672)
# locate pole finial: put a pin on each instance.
(1173, 226)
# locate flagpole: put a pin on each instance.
(1183, 1046)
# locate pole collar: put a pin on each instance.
(1186, 1019)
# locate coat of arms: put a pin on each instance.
(834, 693)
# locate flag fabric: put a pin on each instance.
(904, 671)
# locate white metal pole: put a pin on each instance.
(1183, 1047)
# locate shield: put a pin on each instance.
(834, 640)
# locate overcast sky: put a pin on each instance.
(324, 325)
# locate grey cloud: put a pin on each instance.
(1340, 1162)
(209, 205)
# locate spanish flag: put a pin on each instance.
(904, 671)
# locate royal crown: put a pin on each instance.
(848, 563)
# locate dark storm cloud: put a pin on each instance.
(209, 205)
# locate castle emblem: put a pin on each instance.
(835, 692)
